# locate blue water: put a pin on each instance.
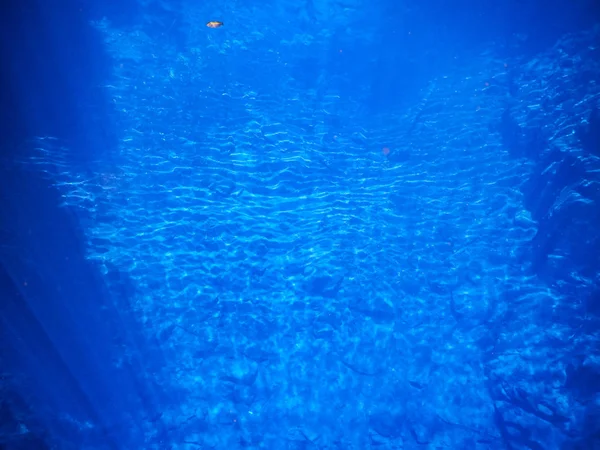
(321, 225)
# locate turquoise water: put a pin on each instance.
(305, 285)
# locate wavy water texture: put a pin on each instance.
(310, 289)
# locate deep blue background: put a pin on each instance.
(67, 320)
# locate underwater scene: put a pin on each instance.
(299, 225)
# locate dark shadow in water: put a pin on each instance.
(59, 321)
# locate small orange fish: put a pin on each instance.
(214, 24)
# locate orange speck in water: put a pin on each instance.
(386, 151)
